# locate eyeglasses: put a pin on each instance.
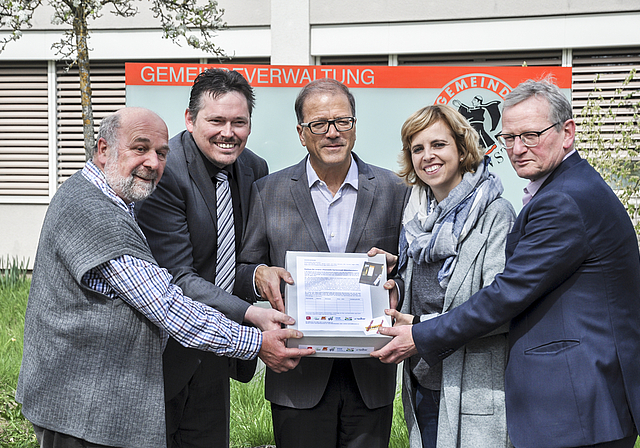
(528, 139)
(322, 126)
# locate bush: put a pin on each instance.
(609, 134)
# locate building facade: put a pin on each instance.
(40, 117)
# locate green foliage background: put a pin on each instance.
(609, 136)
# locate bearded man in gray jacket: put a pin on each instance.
(100, 308)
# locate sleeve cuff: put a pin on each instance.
(253, 282)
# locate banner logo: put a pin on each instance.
(479, 97)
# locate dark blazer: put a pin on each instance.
(283, 218)
(179, 220)
(571, 286)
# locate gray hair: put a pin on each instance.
(109, 130)
(322, 85)
(559, 106)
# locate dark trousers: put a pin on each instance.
(52, 439)
(427, 410)
(340, 419)
(198, 416)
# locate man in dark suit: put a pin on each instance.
(570, 287)
(330, 201)
(180, 221)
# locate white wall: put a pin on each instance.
(390, 11)
(293, 32)
(466, 36)
(20, 226)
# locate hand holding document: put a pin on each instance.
(276, 355)
(338, 301)
(267, 319)
(390, 285)
(391, 259)
(267, 282)
(400, 348)
(399, 318)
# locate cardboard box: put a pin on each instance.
(338, 302)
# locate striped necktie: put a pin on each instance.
(226, 255)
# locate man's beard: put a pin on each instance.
(130, 188)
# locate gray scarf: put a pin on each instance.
(433, 232)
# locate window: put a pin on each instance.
(24, 143)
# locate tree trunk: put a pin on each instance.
(80, 30)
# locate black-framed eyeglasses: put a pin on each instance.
(528, 139)
(322, 126)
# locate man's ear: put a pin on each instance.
(188, 122)
(100, 157)
(569, 132)
(300, 130)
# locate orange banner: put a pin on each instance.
(498, 79)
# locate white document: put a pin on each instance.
(333, 298)
(338, 302)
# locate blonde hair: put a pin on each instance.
(466, 139)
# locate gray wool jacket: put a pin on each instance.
(472, 405)
(91, 365)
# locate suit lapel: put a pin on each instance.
(304, 203)
(569, 162)
(364, 203)
(200, 176)
(245, 177)
(523, 216)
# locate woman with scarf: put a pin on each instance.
(452, 244)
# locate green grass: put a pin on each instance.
(15, 431)
(250, 422)
(251, 417)
(12, 272)
(250, 412)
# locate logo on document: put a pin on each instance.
(479, 97)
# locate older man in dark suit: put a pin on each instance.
(194, 233)
(331, 202)
(570, 287)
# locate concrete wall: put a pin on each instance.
(249, 13)
(20, 226)
(323, 12)
(295, 32)
(237, 13)
(292, 32)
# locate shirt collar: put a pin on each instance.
(95, 175)
(533, 186)
(212, 169)
(351, 178)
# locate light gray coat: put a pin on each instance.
(472, 405)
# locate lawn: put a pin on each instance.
(250, 412)
(15, 431)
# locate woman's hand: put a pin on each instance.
(390, 285)
(392, 260)
(399, 318)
